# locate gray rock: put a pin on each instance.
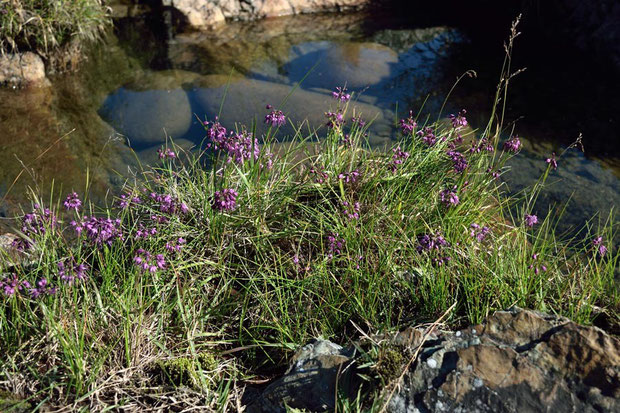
(146, 117)
(21, 69)
(245, 101)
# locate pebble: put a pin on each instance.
(432, 363)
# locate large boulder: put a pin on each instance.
(210, 13)
(245, 100)
(516, 361)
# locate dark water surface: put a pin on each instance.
(148, 82)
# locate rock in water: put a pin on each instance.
(245, 100)
(143, 116)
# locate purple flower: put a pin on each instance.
(494, 174)
(275, 117)
(321, 176)
(428, 136)
(478, 232)
(551, 161)
(459, 121)
(359, 121)
(449, 196)
(334, 119)
(148, 262)
(349, 176)
(42, 288)
(351, 211)
(598, 244)
(458, 160)
(408, 125)
(535, 266)
(238, 146)
(398, 157)
(168, 204)
(335, 245)
(69, 270)
(483, 144)
(10, 285)
(531, 220)
(72, 202)
(341, 94)
(167, 153)
(99, 231)
(225, 200)
(513, 144)
(38, 221)
(431, 242)
(175, 246)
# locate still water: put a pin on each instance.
(148, 82)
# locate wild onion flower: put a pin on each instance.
(21, 244)
(321, 175)
(536, 266)
(335, 245)
(38, 220)
(398, 157)
(458, 160)
(125, 201)
(145, 233)
(275, 117)
(531, 220)
(551, 161)
(225, 200)
(69, 270)
(167, 153)
(449, 196)
(351, 211)
(349, 177)
(334, 119)
(359, 121)
(479, 232)
(513, 144)
(431, 242)
(483, 144)
(148, 262)
(494, 174)
(428, 136)
(72, 202)
(341, 94)
(598, 244)
(408, 125)
(175, 246)
(10, 285)
(459, 120)
(168, 204)
(99, 231)
(42, 288)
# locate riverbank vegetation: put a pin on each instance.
(48, 27)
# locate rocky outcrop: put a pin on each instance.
(209, 13)
(516, 361)
(21, 69)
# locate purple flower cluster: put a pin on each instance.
(148, 262)
(334, 119)
(359, 121)
(238, 146)
(125, 201)
(431, 242)
(449, 196)
(530, 220)
(349, 177)
(458, 161)
(351, 211)
(341, 94)
(168, 204)
(551, 161)
(38, 221)
(321, 175)
(225, 200)
(408, 125)
(69, 271)
(479, 232)
(398, 158)
(42, 288)
(494, 174)
(11, 284)
(513, 144)
(99, 231)
(175, 246)
(275, 117)
(428, 136)
(536, 266)
(483, 144)
(72, 202)
(459, 120)
(335, 245)
(598, 245)
(166, 153)
(145, 233)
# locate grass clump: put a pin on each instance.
(48, 26)
(244, 251)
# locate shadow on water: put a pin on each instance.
(151, 80)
